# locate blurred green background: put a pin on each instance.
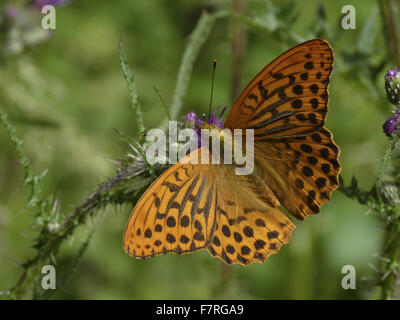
(66, 93)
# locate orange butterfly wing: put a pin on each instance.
(289, 96)
(250, 226)
(177, 213)
(286, 105)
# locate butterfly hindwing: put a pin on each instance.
(176, 214)
(248, 230)
(253, 236)
(302, 171)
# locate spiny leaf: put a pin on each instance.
(131, 87)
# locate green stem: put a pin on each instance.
(111, 192)
(387, 155)
(391, 250)
(238, 49)
(390, 255)
(163, 103)
(390, 265)
(196, 41)
(388, 10)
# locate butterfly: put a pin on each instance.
(244, 218)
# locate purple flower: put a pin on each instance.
(392, 73)
(41, 3)
(391, 125)
(214, 121)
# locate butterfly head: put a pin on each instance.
(214, 122)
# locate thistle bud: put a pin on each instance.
(390, 193)
(391, 125)
(392, 86)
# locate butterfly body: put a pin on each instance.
(216, 135)
(241, 218)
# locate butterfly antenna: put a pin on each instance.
(212, 86)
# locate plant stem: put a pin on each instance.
(388, 10)
(391, 248)
(196, 42)
(390, 265)
(387, 155)
(163, 103)
(110, 192)
(238, 50)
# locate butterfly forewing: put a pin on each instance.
(176, 214)
(289, 96)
